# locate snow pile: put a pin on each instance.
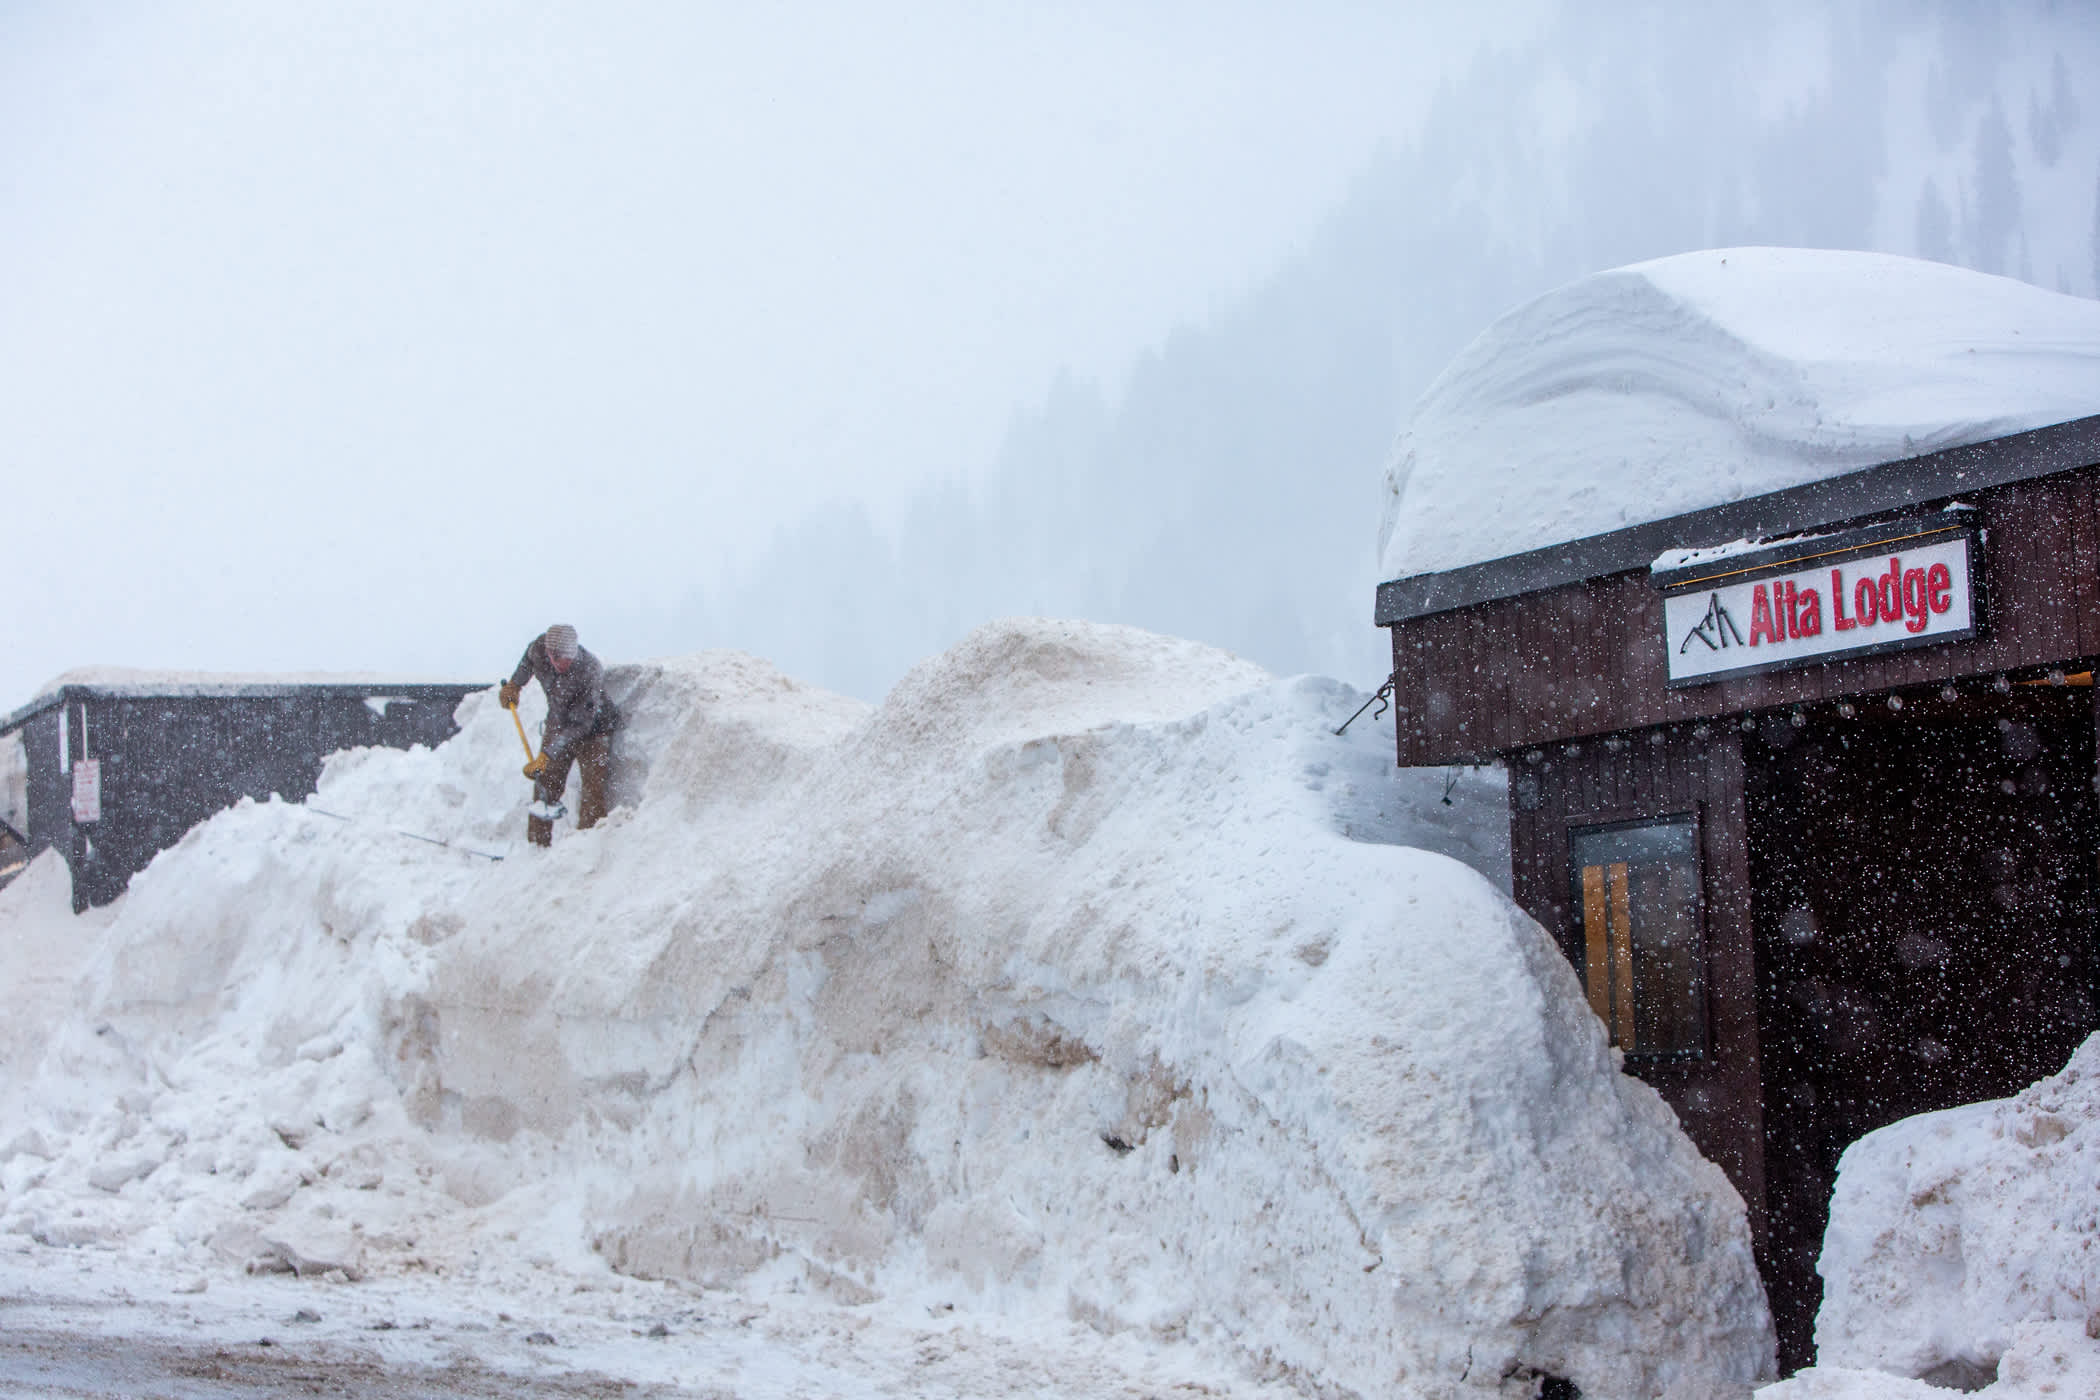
(1082, 984)
(1965, 1245)
(44, 949)
(1709, 377)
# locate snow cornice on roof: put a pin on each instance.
(1890, 486)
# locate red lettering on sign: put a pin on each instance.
(1891, 590)
(1938, 583)
(1914, 605)
(1811, 616)
(1762, 625)
(1864, 602)
(1838, 621)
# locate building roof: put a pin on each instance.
(119, 683)
(1889, 486)
(1655, 391)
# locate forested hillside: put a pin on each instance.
(1228, 490)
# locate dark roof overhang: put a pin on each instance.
(355, 690)
(1891, 486)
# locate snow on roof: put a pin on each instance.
(135, 682)
(1730, 549)
(1696, 380)
(168, 682)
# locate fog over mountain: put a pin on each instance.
(1227, 491)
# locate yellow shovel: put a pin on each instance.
(530, 757)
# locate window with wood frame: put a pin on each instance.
(1638, 916)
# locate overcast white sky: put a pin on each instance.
(376, 336)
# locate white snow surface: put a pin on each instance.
(163, 680)
(1086, 996)
(1967, 1243)
(1708, 377)
(1727, 549)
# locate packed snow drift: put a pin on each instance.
(1087, 982)
(1709, 377)
(1964, 1251)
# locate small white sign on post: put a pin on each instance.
(87, 790)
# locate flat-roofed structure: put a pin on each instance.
(119, 767)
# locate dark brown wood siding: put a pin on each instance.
(1586, 659)
(1658, 774)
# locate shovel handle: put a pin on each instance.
(521, 733)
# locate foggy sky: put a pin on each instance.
(1227, 489)
(376, 337)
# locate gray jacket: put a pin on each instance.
(576, 705)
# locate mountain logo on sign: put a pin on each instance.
(1714, 629)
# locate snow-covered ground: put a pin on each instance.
(1709, 377)
(92, 1321)
(1086, 1019)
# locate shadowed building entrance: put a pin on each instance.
(1924, 913)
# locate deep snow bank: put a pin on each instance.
(1708, 377)
(1082, 980)
(44, 948)
(1965, 1245)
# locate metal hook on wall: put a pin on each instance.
(1381, 697)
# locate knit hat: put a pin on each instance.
(561, 642)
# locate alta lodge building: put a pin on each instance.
(1802, 779)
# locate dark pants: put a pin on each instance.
(593, 758)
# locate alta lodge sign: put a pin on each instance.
(1732, 610)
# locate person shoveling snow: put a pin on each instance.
(580, 722)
